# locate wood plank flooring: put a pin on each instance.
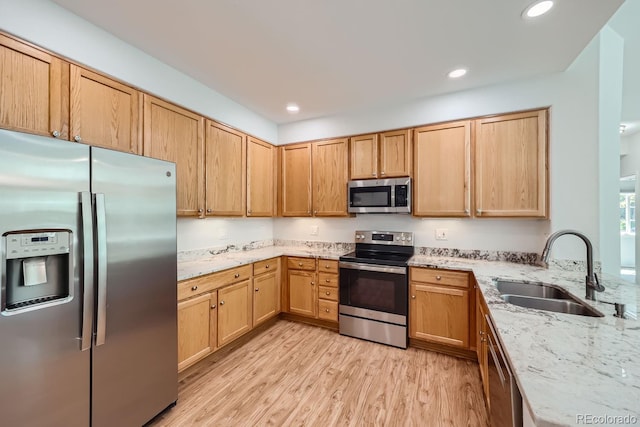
(294, 374)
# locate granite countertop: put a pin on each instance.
(567, 366)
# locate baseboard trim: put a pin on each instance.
(439, 348)
(327, 324)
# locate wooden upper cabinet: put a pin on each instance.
(225, 169)
(261, 168)
(441, 170)
(330, 176)
(384, 155)
(364, 156)
(296, 180)
(395, 154)
(511, 165)
(104, 113)
(34, 90)
(177, 135)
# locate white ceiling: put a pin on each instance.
(333, 56)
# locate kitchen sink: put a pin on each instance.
(543, 296)
(540, 290)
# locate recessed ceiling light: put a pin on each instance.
(459, 72)
(292, 108)
(538, 8)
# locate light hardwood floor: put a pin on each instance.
(294, 374)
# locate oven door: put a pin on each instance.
(370, 289)
(367, 198)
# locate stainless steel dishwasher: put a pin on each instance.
(504, 395)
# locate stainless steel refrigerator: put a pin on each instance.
(88, 273)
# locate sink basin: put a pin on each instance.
(556, 305)
(543, 296)
(539, 290)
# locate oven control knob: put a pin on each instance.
(408, 238)
(397, 237)
(403, 238)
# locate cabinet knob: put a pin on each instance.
(382, 173)
(194, 288)
(257, 289)
(213, 306)
(328, 293)
(236, 275)
(413, 297)
(326, 309)
(466, 211)
(315, 212)
(266, 266)
(481, 333)
(313, 283)
(373, 174)
(438, 277)
(221, 302)
(327, 266)
(77, 138)
(327, 280)
(55, 133)
(299, 264)
(479, 211)
(249, 212)
(208, 210)
(200, 211)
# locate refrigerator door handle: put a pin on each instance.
(101, 327)
(87, 280)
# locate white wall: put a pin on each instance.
(215, 232)
(47, 24)
(630, 162)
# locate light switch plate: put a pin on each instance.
(314, 230)
(441, 233)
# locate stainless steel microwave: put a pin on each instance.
(380, 195)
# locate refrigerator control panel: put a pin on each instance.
(27, 245)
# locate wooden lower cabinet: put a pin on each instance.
(197, 328)
(482, 347)
(313, 288)
(439, 308)
(266, 297)
(234, 311)
(302, 293)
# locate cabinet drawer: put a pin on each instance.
(197, 286)
(328, 293)
(440, 277)
(233, 275)
(327, 266)
(295, 263)
(328, 310)
(326, 279)
(265, 266)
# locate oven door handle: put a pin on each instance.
(370, 267)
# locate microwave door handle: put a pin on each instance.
(86, 210)
(101, 327)
(392, 190)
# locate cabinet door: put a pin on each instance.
(364, 156)
(266, 297)
(442, 170)
(482, 348)
(296, 180)
(330, 176)
(196, 329)
(34, 90)
(260, 178)
(395, 154)
(225, 170)
(234, 311)
(439, 314)
(104, 113)
(177, 135)
(302, 293)
(511, 165)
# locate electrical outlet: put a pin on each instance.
(314, 230)
(441, 233)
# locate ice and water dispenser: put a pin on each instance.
(38, 269)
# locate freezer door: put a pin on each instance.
(135, 354)
(44, 374)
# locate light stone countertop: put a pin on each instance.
(565, 365)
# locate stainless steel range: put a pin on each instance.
(374, 287)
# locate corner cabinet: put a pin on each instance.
(330, 176)
(177, 135)
(225, 170)
(511, 165)
(104, 112)
(441, 176)
(384, 155)
(34, 90)
(261, 174)
(439, 306)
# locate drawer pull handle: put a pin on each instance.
(327, 280)
(257, 289)
(194, 288)
(327, 266)
(222, 302)
(326, 309)
(413, 297)
(266, 266)
(236, 275)
(438, 277)
(213, 307)
(328, 293)
(299, 264)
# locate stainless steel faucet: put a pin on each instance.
(591, 281)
